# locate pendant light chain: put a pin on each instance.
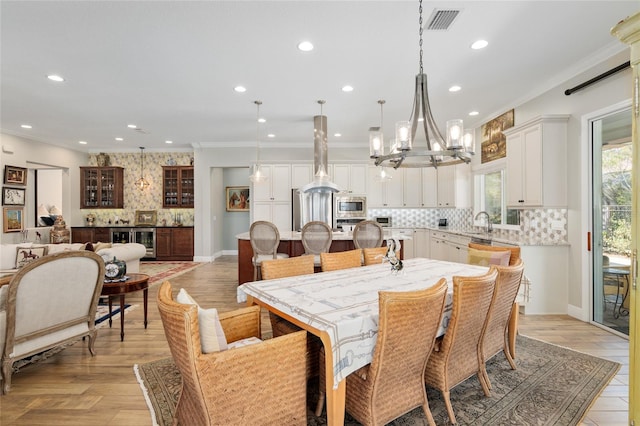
(420, 33)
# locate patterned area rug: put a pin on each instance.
(161, 271)
(552, 386)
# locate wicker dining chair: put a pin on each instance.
(265, 238)
(283, 268)
(316, 238)
(495, 335)
(458, 356)
(374, 256)
(262, 383)
(406, 333)
(367, 234)
(340, 260)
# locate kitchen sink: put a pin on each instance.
(480, 240)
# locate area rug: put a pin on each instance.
(552, 386)
(161, 271)
(102, 315)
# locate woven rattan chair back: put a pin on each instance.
(408, 323)
(374, 256)
(316, 237)
(340, 260)
(515, 251)
(289, 267)
(495, 335)
(459, 357)
(237, 386)
(367, 234)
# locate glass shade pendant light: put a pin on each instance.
(142, 183)
(456, 148)
(257, 176)
(376, 144)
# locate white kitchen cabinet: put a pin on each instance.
(437, 245)
(407, 241)
(301, 174)
(429, 187)
(449, 247)
(453, 186)
(350, 178)
(537, 163)
(412, 186)
(421, 245)
(277, 186)
(389, 194)
(278, 213)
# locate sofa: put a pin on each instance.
(11, 258)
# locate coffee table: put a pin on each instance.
(135, 282)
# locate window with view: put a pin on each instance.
(490, 197)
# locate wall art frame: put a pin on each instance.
(237, 198)
(13, 196)
(146, 217)
(494, 142)
(12, 219)
(15, 175)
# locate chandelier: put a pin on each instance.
(142, 183)
(456, 148)
(258, 176)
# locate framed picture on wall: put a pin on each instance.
(146, 217)
(12, 196)
(237, 198)
(15, 175)
(13, 219)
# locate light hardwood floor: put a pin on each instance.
(73, 388)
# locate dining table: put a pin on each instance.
(341, 308)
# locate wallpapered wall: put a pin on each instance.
(151, 198)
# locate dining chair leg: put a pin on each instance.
(484, 382)
(447, 402)
(427, 413)
(507, 355)
(321, 384)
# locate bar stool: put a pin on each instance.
(367, 234)
(265, 239)
(316, 238)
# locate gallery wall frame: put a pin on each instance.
(15, 175)
(12, 219)
(13, 196)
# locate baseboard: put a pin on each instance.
(203, 259)
(229, 253)
(578, 313)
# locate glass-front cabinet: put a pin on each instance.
(177, 186)
(101, 187)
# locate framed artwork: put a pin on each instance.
(494, 142)
(146, 217)
(13, 196)
(237, 198)
(12, 219)
(15, 175)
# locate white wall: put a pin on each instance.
(234, 222)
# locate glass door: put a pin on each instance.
(611, 219)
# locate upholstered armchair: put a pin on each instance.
(260, 383)
(49, 302)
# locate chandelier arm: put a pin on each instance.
(415, 113)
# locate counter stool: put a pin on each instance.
(265, 239)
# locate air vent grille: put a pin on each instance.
(441, 20)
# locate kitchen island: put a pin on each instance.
(291, 244)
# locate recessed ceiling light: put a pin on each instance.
(240, 89)
(455, 88)
(262, 120)
(168, 141)
(119, 139)
(82, 142)
(271, 135)
(472, 113)
(56, 78)
(337, 135)
(347, 88)
(26, 126)
(305, 46)
(480, 44)
(132, 126)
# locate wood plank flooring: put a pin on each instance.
(74, 388)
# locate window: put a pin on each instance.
(490, 197)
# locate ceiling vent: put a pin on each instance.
(441, 20)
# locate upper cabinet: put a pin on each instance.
(177, 186)
(537, 162)
(350, 178)
(453, 186)
(101, 187)
(390, 193)
(301, 174)
(277, 187)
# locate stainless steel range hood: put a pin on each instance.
(321, 181)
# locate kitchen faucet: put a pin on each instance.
(489, 224)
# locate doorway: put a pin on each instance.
(611, 191)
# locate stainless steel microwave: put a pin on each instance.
(349, 206)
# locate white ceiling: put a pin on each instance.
(170, 67)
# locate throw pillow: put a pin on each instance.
(88, 247)
(212, 336)
(99, 246)
(486, 258)
(25, 255)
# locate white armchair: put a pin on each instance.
(50, 301)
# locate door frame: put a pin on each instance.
(586, 211)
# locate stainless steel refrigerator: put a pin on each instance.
(310, 206)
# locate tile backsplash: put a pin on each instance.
(537, 226)
(150, 199)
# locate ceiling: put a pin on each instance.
(170, 67)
